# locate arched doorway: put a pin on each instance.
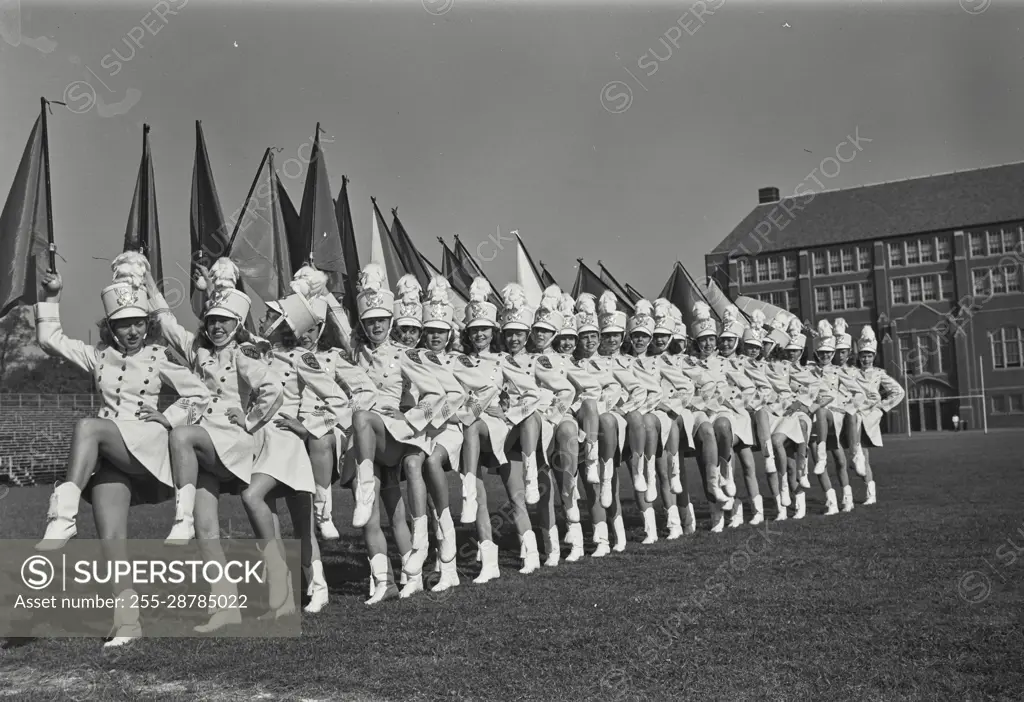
(932, 405)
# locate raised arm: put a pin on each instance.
(177, 337)
(50, 334)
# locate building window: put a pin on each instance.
(820, 263)
(863, 257)
(1006, 347)
(944, 354)
(849, 263)
(927, 251)
(1012, 279)
(1016, 403)
(762, 270)
(995, 243)
(867, 294)
(914, 286)
(980, 281)
(793, 300)
(790, 262)
(746, 271)
(946, 286)
(928, 287)
(913, 253)
(977, 245)
(895, 254)
(850, 297)
(944, 250)
(774, 269)
(899, 291)
(834, 263)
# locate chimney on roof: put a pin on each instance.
(766, 195)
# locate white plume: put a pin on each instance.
(867, 334)
(372, 277)
(662, 308)
(513, 295)
(130, 267)
(607, 303)
(795, 326)
(408, 288)
(840, 326)
(566, 305)
(309, 282)
(438, 289)
(701, 310)
(551, 297)
(480, 290)
(824, 328)
(757, 317)
(586, 304)
(731, 315)
(224, 273)
(644, 307)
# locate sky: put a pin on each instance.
(634, 133)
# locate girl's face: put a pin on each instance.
(794, 355)
(841, 357)
(515, 340)
(766, 350)
(480, 338)
(706, 345)
(660, 343)
(751, 351)
(542, 338)
(565, 344)
(588, 342)
(220, 330)
(408, 335)
(865, 359)
(437, 339)
(129, 332)
(610, 343)
(640, 342)
(824, 357)
(376, 329)
(727, 345)
(282, 334)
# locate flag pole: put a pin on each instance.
(259, 172)
(984, 405)
(144, 211)
(49, 200)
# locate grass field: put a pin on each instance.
(903, 600)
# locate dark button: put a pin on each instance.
(216, 399)
(124, 367)
(142, 392)
(286, 374)
(103, 355)
(291, 355)
(283, 383)
(140, 403)
(118, 391)
(227, 367)
(120, 377)
(209, 411)
(119, 400)
(223, 380)
(145, 382)
(150, 370)
(220, 392)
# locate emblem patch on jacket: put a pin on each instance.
(432, 357)
(544, 362)
(310, 360)
(466, 361)
(251, 352)
(414, 354)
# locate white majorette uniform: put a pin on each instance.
(284, 456)
(829, 376)
(438, 313)
(647, 369)
(127, 384)
(874, 390)
(522, 394)
(233, 374)
(795, 427)
(633, 393)
(409, 398)
(552, 373)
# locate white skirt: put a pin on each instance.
(147, 444)
(871, 426)
(284, 458)
(742, 429)
(795, 427)
(235, 447)
(449, 437)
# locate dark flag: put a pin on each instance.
(412, 260)
(614, 284)
(321, 240)
(343, 211)
(545, 277)
(587, 281)
(682, 291)
(451, 268)
(208, 234)
(143, 230)
(382, 249)
(634, 294)
(26, 225)
(466, 260)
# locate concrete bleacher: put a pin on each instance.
(35, 434)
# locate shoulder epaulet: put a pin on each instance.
(310, 360)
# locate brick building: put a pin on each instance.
(936, 264)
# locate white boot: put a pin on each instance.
(420, 547)
(786, 501)
(620, 534)
(871, 497)
(184, 529)
(600, 540)
(607, 472)
(758, 517)
(822, 458)
(640, 480)
(652, 480)
(736, 520)
(689, 520)
(858, 462)
(446, 538)
(365, 494)
(593, 469)
(530, 473)
(574, 537)
(126, 620)
(530, 554)
(728, 481)
(61, 517)
(675, 523)
(449, 576)
(383, 587)
(413, 576)
(650, 526)
(831, 504)
(717, 518)
(847, 499)
(801, 505)
(489, 563)
(769, 464)
(323, 509)
(780, 506)
(801, 471)
(317, 588)
(554, 547)
(469, 499)
(676, 475)
(276, 575)
(224, 610)
(570, 501)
